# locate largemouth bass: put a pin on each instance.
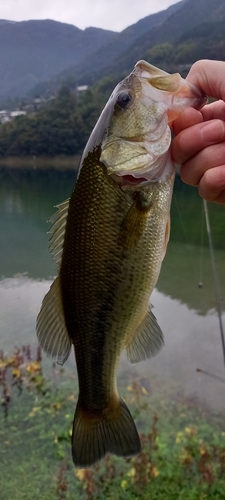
(109, 241)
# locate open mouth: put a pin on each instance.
(129, 179)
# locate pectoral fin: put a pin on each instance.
(51, 327)
(147, 341)
(136, 220)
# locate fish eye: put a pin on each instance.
(124, 99)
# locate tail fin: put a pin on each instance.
(94, 436)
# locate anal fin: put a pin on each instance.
(147, 340)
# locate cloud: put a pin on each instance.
(108, 14)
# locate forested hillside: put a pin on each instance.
(62, 127)
(193, 20)
(192, 29)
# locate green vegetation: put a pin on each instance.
(61, 128)
(182, 457)
(205, 41)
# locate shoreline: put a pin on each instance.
(40, 162)
(60, 162)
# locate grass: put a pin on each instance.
(183, 449)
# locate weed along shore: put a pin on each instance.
(60, 162)
(182, 456)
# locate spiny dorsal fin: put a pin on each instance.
(51, 327)
(57, 231)
(147, 341)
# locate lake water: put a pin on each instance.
(185, 312)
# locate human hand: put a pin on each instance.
(199, 145)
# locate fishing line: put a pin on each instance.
(200, 283)
(217, 290)
(220, 379)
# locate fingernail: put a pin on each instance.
(213, 131)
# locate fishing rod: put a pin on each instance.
(220, 379)
(217, 289)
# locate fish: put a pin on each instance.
(109, 240)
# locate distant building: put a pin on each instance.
(7, 116)
(4, 116)
(81, 88)
(14, 114)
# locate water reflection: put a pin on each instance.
(191, 342)
(184, 268)
(26, 203)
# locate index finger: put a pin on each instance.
(193, 139)
(209, 76)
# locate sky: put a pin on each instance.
(108, 14)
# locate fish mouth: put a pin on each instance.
(130, 179)
(181, 92)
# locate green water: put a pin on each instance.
(185, 312)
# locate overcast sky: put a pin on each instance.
(108, 14)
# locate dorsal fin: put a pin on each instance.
(57, 231)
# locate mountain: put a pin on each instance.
(187, 19)
(33, 51)
(191, 14)
(128, 37)
(89, 70)
(172, 39)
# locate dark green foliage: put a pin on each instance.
(205, 41)
(62, 127)
(159, 53)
